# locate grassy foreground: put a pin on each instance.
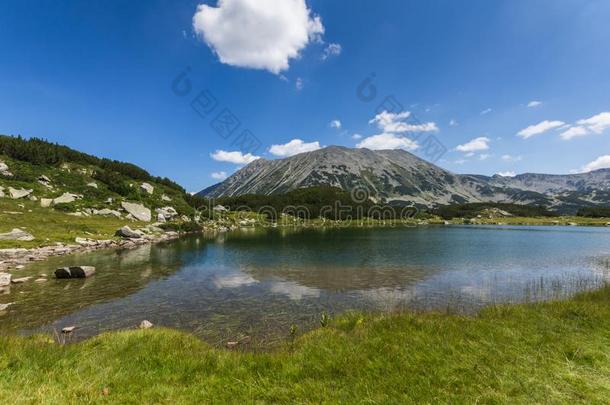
(557, 352)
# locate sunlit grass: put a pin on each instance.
(553, 352)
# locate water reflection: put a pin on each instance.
(259, 282)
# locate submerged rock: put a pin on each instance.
(75, 272)
(138, 211)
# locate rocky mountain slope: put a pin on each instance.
(399, 176)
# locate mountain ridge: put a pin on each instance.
(397, 175)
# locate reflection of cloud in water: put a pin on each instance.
(388, 298)
(293, 290)
(233, 281)
(476, 291)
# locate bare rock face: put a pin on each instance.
(16, 234)
(138, 211)
(19, 193)
(147, 188)
(75, 272)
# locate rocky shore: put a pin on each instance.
(15, 259)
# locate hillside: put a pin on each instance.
(54, 193)
(397, 175)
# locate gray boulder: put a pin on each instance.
(147, 188)
(65, 198)
(127, 232)
(138, 211)
(46, 202)
(21, 193)
(75, 272)
(16, 234)
(107, 212)
(5, 279)
(4, 171)
(168, 213)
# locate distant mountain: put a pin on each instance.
(399, 176)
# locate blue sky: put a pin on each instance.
(506, 86)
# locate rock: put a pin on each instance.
(16, 234)
(85, 242)
(165, 198)
(44, 180)
(138, 211)
(17, 194)
(46, 202)
(75, 272)
(4, 171)
(161, 218)
(107, 212)
(20, 280)
(92, 184)
(1, 192)
(19, 267)
(66, 198)
(147, 188)
(4, 307)
(68, 329)
(146, 325)
(220, 208)
(40, 280)
(184, 218)
(232, 345)
(127, 232)
(168, 213)
(5, 279)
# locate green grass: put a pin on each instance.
(554, 352)
(49, 226)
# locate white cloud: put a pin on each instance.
(475, 145)
(233, 281)
(219, 175)
(460, 161)
(387, 141)
(395, 123)
(335, 124)
(534, 104)
(294, 147)
(331, 50)
(507, 174)
(484, 156)
(356, 136)
(602, 162)
(453, 123)
(235, 157)
(511, 158)
(258, 34)
(539, 128)
(486, 111)
(574, 132)
(299, 84)
(598, 123)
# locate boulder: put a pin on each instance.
(107, 212)
(147, 188)
(16, 234)
(165, 198)
(168, 213)
(75, 272)
(1, 192)
(4, 307)
(44, 180)
(92, 184)
(46, 202)
(146, 324)
(68, 329)
(65, 198)
(5, 279)
(138, 211)
(20, 280)
(4, 171)
(127, 232)
(220, 208)
(21, 193)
